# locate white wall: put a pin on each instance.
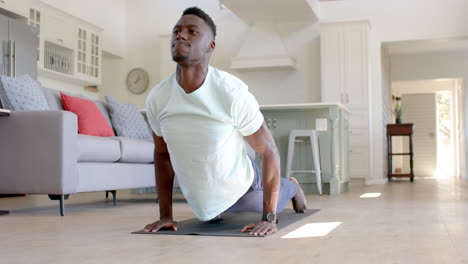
(290, 86)
(388, 116)
(453, 65)
(149, 19)
(438, 65)
(67, 87)
(396, 20)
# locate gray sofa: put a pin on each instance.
(41, 152)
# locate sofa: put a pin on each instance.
(41, 152)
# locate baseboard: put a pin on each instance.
(376, 181)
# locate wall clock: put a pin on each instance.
(137, 80)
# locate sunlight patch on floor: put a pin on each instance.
(313, 230)
(370, 195)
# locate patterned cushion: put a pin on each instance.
(127, 119)
(22, 94)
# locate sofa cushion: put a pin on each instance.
(136, 150)
(53, 98)
(127, 120)
(55, 101)
(22, 94)
(90, 119)
(98, 149)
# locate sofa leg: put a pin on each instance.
(114, 196)
(61, 198)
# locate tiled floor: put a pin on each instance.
(421, 222)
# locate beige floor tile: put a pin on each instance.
(420, 222)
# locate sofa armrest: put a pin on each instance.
(39, 152)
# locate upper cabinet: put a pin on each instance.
(57, 29)
(344, 63)
(70, 48)
(89, 54)
(16, 7)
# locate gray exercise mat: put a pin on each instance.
(230, 224)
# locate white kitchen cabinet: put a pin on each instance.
(63, 53)
(88, 64)
(57, 29)
(34, 20)
(345, 79)
(15, 6)
(70, 48)
(344, 63)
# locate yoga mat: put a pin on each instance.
(230, 224)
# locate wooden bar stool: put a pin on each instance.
(312, 134)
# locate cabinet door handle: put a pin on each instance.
(14, 58)
(347, 98)
(274, 123)
(5, 57)
(268, 123)
(10, 58)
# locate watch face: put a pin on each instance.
(137, 80)
(271, 217)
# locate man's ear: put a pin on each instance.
(212, 46)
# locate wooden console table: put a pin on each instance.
(399, 130)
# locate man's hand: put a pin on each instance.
(161, 224)
(261, 228)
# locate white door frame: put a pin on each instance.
(455, 87)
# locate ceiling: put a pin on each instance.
(271, 10)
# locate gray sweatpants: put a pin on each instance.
(252, 200)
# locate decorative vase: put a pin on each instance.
(398, 120)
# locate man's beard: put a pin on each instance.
(179, 58)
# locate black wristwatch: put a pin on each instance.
(270, 217)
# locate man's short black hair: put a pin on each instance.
(201, 14)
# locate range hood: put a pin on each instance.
(263, 48)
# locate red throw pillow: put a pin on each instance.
(90, 119)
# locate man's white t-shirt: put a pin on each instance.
(204, 133)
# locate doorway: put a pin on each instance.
(434, 107)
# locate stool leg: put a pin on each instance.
(292, 138)
(315, 153)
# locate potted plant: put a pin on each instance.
(397, 111)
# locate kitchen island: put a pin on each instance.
(331, 120)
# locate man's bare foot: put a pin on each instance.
(299, 200)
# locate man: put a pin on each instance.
(200, 117)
